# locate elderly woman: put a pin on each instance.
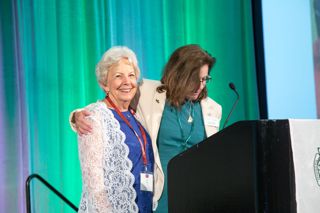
(176, 111)
(117, 159)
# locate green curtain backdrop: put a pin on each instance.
(48, 52)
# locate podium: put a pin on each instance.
(250, 166)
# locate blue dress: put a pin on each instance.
(143, 199)
(175, 135)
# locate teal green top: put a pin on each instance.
(175, 135)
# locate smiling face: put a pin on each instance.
(204, 70)
(121, 84)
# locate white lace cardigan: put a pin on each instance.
(107, 183)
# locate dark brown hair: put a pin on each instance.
(181, 74)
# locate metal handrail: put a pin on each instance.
(61, 196)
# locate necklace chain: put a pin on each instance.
(190, 121)
(191, 113)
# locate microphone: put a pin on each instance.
(233, 87)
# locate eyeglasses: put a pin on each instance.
(206, 79)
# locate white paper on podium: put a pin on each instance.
(305, 141)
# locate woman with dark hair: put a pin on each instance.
(176, 111)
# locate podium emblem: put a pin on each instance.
(316, 166)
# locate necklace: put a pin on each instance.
(186, 137)
(191, 112)
(190, 119)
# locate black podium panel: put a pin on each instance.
(246, 167)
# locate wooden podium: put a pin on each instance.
(251, 166)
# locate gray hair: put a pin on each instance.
(113, 56)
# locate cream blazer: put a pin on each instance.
(149, 106)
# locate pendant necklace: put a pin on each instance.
(186, 137)
(191, 111)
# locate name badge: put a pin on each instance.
(146, 181)
(212, 122)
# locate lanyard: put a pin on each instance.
(143, 144)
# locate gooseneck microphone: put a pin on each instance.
(233, 87)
